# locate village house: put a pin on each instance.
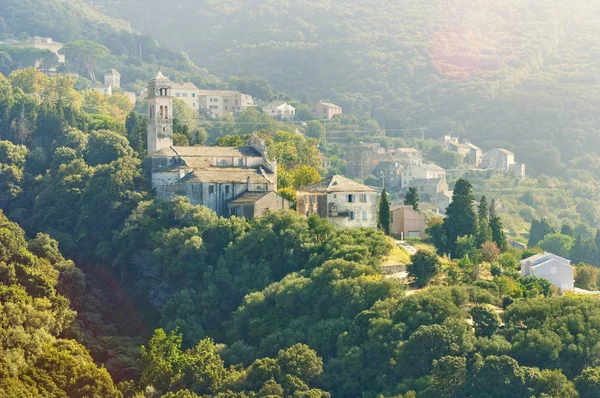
(429, 188)
(408, 156)
(280, 110)
(101, 88)
(209, 176)
(112, 78)
(405, 222)
(43, 43)
(359, 159)
(218, 103)
(326, 110)
(556, 269)
(325, 161)
(254, 204)
(498, 159)
(442, 200)
(424, 171)
(343, 202)
(188, 93)
(390, 172)
(457, 147)
(474, 156)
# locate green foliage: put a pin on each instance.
(412, 198)
(557, 244)
(461, 219)
(485, 320)
(384, 213)
(539, 230)
(423, 267)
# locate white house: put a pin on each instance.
(280, 110)
(498, 159)
(343, 202)
(423, 171)
(556, 269)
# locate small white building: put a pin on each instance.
(112, 78)
(280, 110)
(423, 171)
(343, 202)
(556, 269)
(101, 88)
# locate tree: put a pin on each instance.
(162, 360)
(490, 252)
(461, 218)
(557, 244)
(105, 146)
(498, 377)
(304, 176)
(586, 277)
(304, 113)
(300, 361)
(233, 140)
(588, 383)
(485, 321)
(315, 129)
(423, 267)
(539, 229)
(497, 228)
(85, 53)
(384, 213)
(412, 198)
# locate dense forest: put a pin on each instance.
(170, 300)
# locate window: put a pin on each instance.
(363, 198)
(227, 188)
(237, 211)
(553, 271)
(193, 105)
(364, 215)
(335, 195)
(184, 94)
(194, 95)
(240, 162)
(211, 189)
(225, 100)
(223, 163)
(177, 94)
(351, 199)
(351, 216)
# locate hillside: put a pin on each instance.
(511, 73)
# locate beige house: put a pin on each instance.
(459, 148)
(280, 110)
(112, 78)
(44, 43)
(218, 103)
(556, 269)
(209, 176)
(326, 110)
(254, 204)
(498, 159)
(424, 171)
(408, 156)
(474, 156)
(343, 202)
(188, 93)
(429, 188)
(406, 222)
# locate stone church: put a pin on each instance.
(239, 181)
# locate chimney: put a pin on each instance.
(248, 183)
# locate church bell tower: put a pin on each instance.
(160, 114)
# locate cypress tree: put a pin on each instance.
(384, 213)
(461, 220)
(412, 198)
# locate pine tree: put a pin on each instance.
(484, 232)
(384, 213)
(483, 211)
(461, 220)
(539, 229)
(412, 198)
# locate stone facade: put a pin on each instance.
(254, 204)
(112, 78)
(498, 159)
(359, 160)
(345, 203)
(209, 176)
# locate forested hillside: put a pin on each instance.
(511, 73)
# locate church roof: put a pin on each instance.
(206, 151)
(336, 183)
(227, 175)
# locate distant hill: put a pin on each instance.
(514, 73)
